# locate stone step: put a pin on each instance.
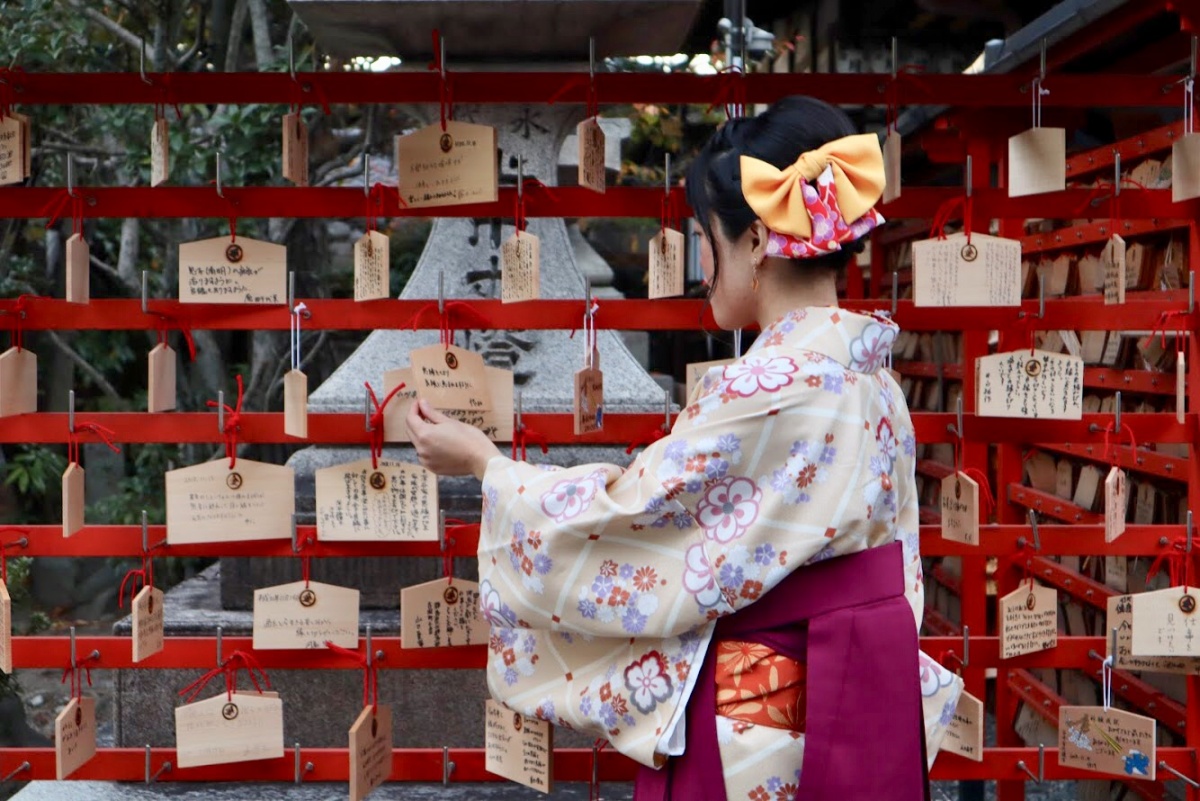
(396, 791)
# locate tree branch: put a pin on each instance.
(237, 27)
(112, 27)
(105, 267)
(82, 363)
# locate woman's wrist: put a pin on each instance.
(481, 458)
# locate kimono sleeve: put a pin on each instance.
(755, 480)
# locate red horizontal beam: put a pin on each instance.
(1150, 382)
(949, 371)
(1158, 140)
(1051, 505)
(967, 91)
(425, 765)
(1141, 461)
(922, 202)
(1095, 232)
(680, 314)
(1083, 589)
(126, 541)
(619, 429)
(201, 653)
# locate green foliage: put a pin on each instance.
(34, 470)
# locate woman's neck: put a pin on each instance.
(784, 289)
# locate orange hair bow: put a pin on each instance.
(777, 196)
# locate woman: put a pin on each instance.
(738, 610)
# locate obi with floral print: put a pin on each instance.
(602, 584)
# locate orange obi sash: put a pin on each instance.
(759, 686)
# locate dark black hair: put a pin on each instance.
(778, 136)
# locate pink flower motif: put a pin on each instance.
(870, 350)
(728, 508)
(933, 676)
(822, 229)
(568, 499)
(648, 682)
(698, 577)
(754, 373)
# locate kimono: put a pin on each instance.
(604, 586)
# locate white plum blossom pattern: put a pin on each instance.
(759, 373)
(698, 577)
(728, 508)
(493, 608)
(648, 682)
(870, 350)
(570, 498)
(934, 677)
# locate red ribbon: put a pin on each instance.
(519, 202)
(105, 434)
(1175, 557)
(475, 320)
(370, 672)
(1164, 320)
(522, 436)
(238, 660)
(670, 214)
(58, 204)
(448, 544)
(649, 438)
(20, 310)
(906, 72)
(233, 421)
(445, 94)
(731, 92)
(376, 438)
(164, 326)
(144, 574)
(945, 213)
(166, 98)
(1110, 450)
(72, 672)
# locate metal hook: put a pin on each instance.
(220, 189)
(520, 425)
(737, 344)
(291, 55)
(1192, 60)
(295, 535)
(1188, 545)
(520, 178)
(23, 542)
(367, 409)
(1117, 414)
(447, 766)
(667, 173)
(966, 658)
(957, 428)
(366, 174)
(145, 533)
(142, 65)
(895, 292)
(1042, 63)
(1041, 774)
(71, 411)
(22, 768)
(221, 410)
(1033, 525)
(587, 295)
(667, 410)
(308, 766)
(370, 656)
(1116, 174)
(591, 58)
(145, 291)
(71, 175)
(442, 529)
(166, 768)
(441, 291)
(1162, 763)
(442, 59)
(1041, 299)
(1112, 648)
(1191, 291)
(967, 179)
(220, 647)
(293, 307)
(895, 49)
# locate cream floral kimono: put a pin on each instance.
(602, 583)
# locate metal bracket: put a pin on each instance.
(145, 291)
(24, 766)
(956, 428)
(220, 647)
(142, 72)
(1033, 525)
(367, 408)
(967, 180)
(366, 174)
(442, 529)
(1093, 428)
(220, 189)
(447, 766)
(165, 768)
(301, 771)
(895, 292)
(1041, 774)
(441, 292)
(966, 659)
(221, 410)
(1041, 300)
(667, 410)
(71, 176)
(291, 298)
(71, 411)
(1164, 766)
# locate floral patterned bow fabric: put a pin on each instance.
(829, 227)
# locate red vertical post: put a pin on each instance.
(1193, 435)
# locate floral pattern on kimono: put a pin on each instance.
(801, 450)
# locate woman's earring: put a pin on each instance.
(754, 282)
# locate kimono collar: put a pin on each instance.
(860, 342)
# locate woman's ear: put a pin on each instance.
(758, 241)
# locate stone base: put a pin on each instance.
(111, 791)
(319, 705)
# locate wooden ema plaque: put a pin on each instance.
(13, 167)
(78, 270)
(72, 499)
(520, 268)
(1185, 168)
(18, 382)
(74, 736)
(147, 623)
(221, 730)
(1042, 385)
(592, 173)
(1116, 503)
(1028, 620)
(1164, 622)
(450, 378)
(295, 149)
(1120, 617)
(394, 502)
(954, 272)
(6, 646)
(1037, 162)
(518, 748)
(1110, 741)
(299, 616)
(496, 423)
(960, 509)
(447, 168)
(211, 503)
(372, 266)
(588, 398)
(160, 153)
(295, 404)
(370, 750)
(892, 156)
(1112, 259)
(964, 735)
(160, 386)
(666, 264)
(221, 270)
(442, 613)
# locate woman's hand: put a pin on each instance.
(446, 446)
